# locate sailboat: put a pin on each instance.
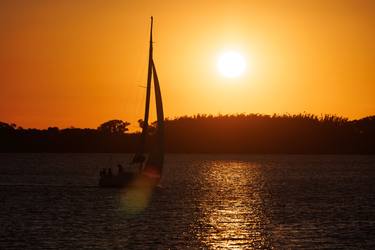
(149, 163)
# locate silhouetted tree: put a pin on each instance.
(5, 126)
(114, 127)
(141, 123)
(239, 133)
(151, 127)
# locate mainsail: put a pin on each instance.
(155, 160)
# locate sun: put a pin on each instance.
(231, 64)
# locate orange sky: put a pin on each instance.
(80, 63)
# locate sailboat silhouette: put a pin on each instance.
(150, 164)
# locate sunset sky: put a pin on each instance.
(80, 63)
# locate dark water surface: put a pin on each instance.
(51, 201)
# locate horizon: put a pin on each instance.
(79, 64)
(195, 116)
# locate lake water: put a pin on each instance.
(51, 201)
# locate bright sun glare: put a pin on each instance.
(231, 64)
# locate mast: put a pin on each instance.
(142, 145)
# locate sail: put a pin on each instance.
(139, 156)
(154, 165)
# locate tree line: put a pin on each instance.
(240, 133)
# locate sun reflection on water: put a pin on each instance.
(232, 211)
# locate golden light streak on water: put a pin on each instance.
(232, 212)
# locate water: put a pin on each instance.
(51, 201)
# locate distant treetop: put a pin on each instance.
(114, 127)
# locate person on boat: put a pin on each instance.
(103, 172)
(139, 159)
(120, 169)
